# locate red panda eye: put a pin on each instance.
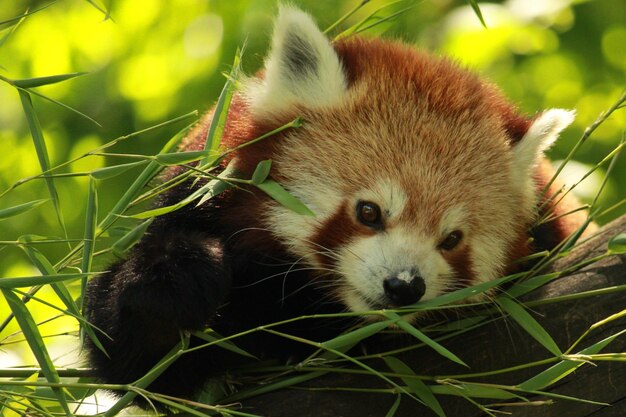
(452, 240)
(369, 214)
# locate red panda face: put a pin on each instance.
(411, 165)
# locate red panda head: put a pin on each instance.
(419, 173)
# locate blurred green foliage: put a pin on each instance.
(149, 61)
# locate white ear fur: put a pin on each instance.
(542, 133)
(302, 67)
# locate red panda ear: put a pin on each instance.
(302, 67)
(541, 134)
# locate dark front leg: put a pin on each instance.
(170, 283)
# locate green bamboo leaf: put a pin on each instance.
(473, 391)
(462, 294)
(96, 6)
(216, 186)
(531, 284)
(178, 158)
(16, 19)
(394, 407)
(278, 193)
(346, 16)
(135, 188)
(220, 113)
(36, 344)
(528, 323)
(224, 344)
(89, 237)
(416, 386)
(21, 282)
(374, 19)
(617, 244)
(21, 208)
(479, 14)
(42, 153)
(19, 20)
(39, 81)
(213, 188)
(46, 268)
(265, 388)
(149, 214)
(147, 379)
(559, 371)
(407, 327)
(462, 324)
(130, 239)
(261, 172)
(115, 170)
(354, 337)
(65, 106)
(89, 245)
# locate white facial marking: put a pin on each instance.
(368, 261)
(296, 230)
(453, 219)
(543, 132)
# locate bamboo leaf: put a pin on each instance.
(407, 327)
(91, 219)
(153, 374)
(65, 106)
(617, 244)
(225, 344)
(146, 175)
(354, 337)
(42, 153)
(265, 388)
(528, 323)
(213, 188)
(531, 284)
(114, 170)
(160, 211)
(564, 368)
(21, 208)
(458, 295)
(346, 16)
(45, 267)
(36, 344)
(89, 237)
(278, 193)
(10, 33)
(473, 391)
(39, 81)
(375, 18)
(220, 113)
(16, 19)
(479, 14)
(21, 282)
(261, 172)
(417, 386)
(130, 239)
(394, 407)
(216, 186)
(178, 158)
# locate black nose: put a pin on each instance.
(402, 293)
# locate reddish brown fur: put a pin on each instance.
(438, 81)
(335, 232)
(461, 262)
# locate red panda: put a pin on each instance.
(422, 177)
